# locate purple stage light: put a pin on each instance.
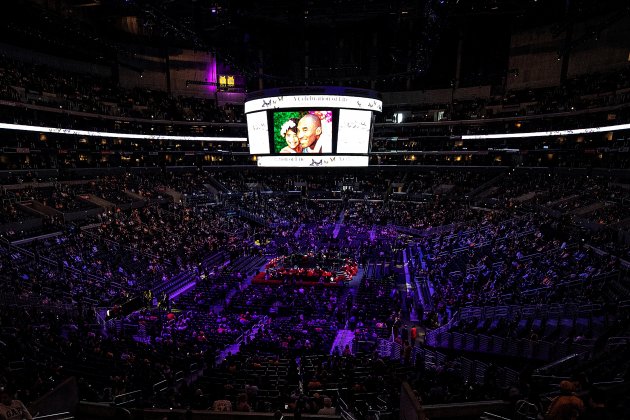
(211, 74)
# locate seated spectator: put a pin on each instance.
(242, 404)
(565, 406)
(347, 351)
(328, 409)
(222, 405)
(11, 409)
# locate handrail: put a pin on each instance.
(556, 363)
(124, 397)
(444, 327)
(53, 263)
(493, 416)
(598, 277)
(86, 230)
(47, 416)
(157, 385)
(617, 341)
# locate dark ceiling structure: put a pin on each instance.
(304, 41)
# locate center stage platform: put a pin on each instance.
(308, 270)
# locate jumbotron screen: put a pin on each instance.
(314, 126)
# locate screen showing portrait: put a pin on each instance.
(311, 126)
(303, 132)
(354, 131)
(258, 132)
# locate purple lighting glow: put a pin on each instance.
(211, 74)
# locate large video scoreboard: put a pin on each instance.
(311, 126)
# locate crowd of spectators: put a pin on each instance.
(11, 213)
(143, 284)
(517, 246)
(42, 85)
(580, 93)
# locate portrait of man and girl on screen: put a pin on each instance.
(303, 132)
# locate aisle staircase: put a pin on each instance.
(339, 224)
(343, 338)
(235, 347)
(298, 231)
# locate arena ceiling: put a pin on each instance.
(290, 40)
